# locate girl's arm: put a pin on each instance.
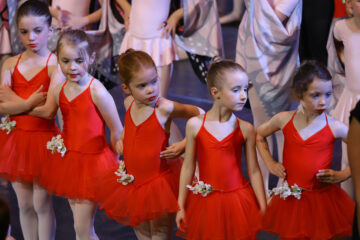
(125, 6)
(106, 105)
(252, 164)
(188, 167)
(177, 110)
(78, 23)
(354, 160)
(120, 144)
(169, 27)
(264, 130)
(49, 109)
(10, 103)
(340, 131)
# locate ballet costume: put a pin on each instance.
(145, 17)
(324, 210)
(22, 155)
(231, 211)
(87, 153)
(156, 181)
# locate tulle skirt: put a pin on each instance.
(23, 154)
(222, 215)
(161, 50)
(320, 214)
(72, 175)
(135, 203)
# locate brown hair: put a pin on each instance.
(34, 8)
(77, 38)
(306, 74)
(218, 67)
(131, 62)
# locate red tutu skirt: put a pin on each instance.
(320, 214)
(222, 215)
(135, 203)
(23, 154)
(72, 175)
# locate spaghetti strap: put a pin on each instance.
(203, 122)
(91, 82)
(327, 123)
(131, 104)
(17, 62)
(47, 61)
(156, 103)
(62, 88)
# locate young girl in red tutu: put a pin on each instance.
(222, 205)
(86, 107)
(26, 79)
(143, 194)
(309, 204)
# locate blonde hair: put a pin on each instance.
(218, 68)
(77, 38)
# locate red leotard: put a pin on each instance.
(231, 211)
(23, 154)
(87, 151)
(324, 211)
(154, 190)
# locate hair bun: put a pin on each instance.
(215, 59)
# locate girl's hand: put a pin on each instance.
(119, 147)
(37, 98)
(332, 176)
(173, 151)
(180, 216)
(75, 23)
(277, 169)
(169, 27)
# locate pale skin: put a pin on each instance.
(144, 90)
(74, 67)
(220, 122)
(353, 149)
(308, 120)
(66, 20)
(36, 213)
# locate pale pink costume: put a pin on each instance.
(351, 93)
(143, 34)
(78, 10)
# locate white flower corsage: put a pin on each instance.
(125, 178)
(6, 124)
(285, 191)
(200, 187)
(56, 144)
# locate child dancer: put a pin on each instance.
(232, 208)
(347, 31)
(322, 210)
(267, 48)
(147, 203)
(86, 106)
(22, 157)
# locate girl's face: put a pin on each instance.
(144, 87)
(318, 96)
(355, 8)
(233, 93)
(73, 63)
(33, 31)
